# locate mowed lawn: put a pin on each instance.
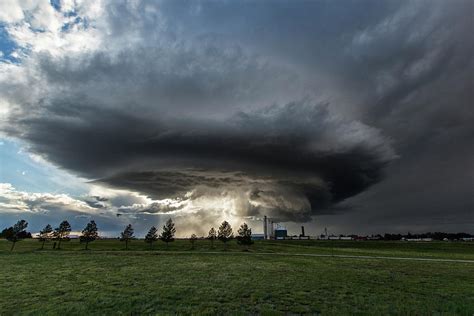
(440, 250)
(109, 280)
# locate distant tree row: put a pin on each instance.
(16, 233)
(434, 236)
(394, 237)
(90, 233)
(167, 235)
(225, 234)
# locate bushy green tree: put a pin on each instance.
(212, 236)
(224, 233)
(193, 239)
(89, 233)
(245, 236)
(127, 235)
(151, 236)
(45, 235)
(62, 232)
(167, 235)
(16, 232)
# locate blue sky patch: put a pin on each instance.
(25, 174)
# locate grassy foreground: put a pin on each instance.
(108, 280)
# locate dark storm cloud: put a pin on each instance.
(299, 105)
(287, 147)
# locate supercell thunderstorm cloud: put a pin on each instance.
(357, 114)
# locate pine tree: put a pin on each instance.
(224, 233)
(245, 236)
(16, 232)
(127, 235)
(212, 236)
(62, 232)
(89, 233)
(151, 236)
(168, 232)
(45, 235)
(193, 239)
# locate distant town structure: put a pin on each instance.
(269, 228)
(265, 227)
(280, 233)
(273, 230)
(276, 231)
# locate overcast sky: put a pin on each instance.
(352, 115)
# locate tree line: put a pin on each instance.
(90, 233)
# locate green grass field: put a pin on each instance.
(108, 280)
